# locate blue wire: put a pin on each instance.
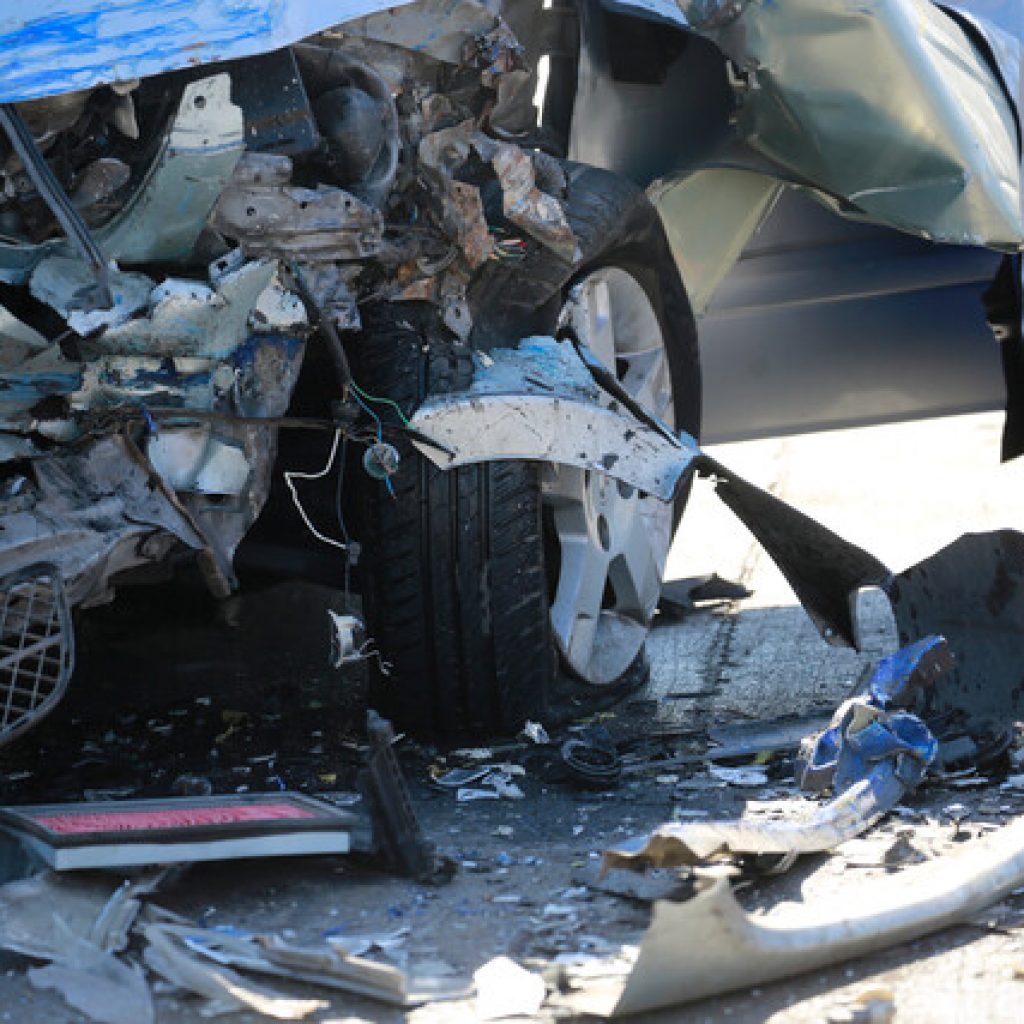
(380, 436)
(366, 408)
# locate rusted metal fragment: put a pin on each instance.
(462, 210)
(540, 215)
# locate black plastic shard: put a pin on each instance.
(824, 570)
(972, 593)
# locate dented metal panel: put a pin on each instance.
(538, 402)
(925, 142)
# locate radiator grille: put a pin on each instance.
(36, 647)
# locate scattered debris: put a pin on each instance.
(168, 955)
(535, 733)
(590, 758)
(96, 982)
(504, 989)
(869, 757)
(748, 778)
(680, 598)
(872, 1006)
(727, 949)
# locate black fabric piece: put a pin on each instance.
(824, 570)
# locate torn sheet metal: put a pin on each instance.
(329, 966)
(269, 216)
(167, 955)
(709, 945)
(62, 281)
(525, 205)
(88, 515)
(871, 755)
(972, 592)
(926, 143)
(538, 402)
(73, 44)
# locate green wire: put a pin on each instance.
(380, 401)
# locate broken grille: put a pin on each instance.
(36, 647)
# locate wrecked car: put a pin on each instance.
(239, 249)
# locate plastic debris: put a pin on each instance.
(333, 965)
(96, 982)
(168, 955)
(535, 733)
(870, 758)
(747, 778)
(680, 598)
(504, 989)
(728, 949)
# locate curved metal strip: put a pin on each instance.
(566, 430)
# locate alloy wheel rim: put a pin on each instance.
(612, 542)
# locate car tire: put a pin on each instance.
(460, 568)
(452, 569)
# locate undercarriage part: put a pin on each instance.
(37, 649)
(57, 199)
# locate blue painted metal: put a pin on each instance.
(897, 676)
(868, 739)
(62, 45)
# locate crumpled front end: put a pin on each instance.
(169, 244)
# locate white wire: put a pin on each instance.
(291, 475)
